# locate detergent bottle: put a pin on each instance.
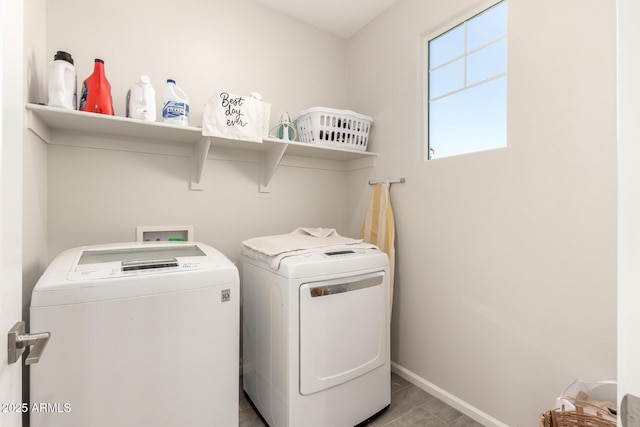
(96, 92)
(176, 105)
(141, 100)
(63, 83)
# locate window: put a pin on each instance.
(465, 96)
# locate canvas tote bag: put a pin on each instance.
(233, 116)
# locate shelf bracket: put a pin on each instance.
(270, 161)
(38, 126)
(200, 152)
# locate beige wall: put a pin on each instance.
(506, 274)
(206, 46)
(120, 190)
(506, 286)
(98, 196)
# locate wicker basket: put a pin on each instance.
(334, 128)
(595, 417)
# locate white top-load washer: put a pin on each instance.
(142, 334)
(316, 337)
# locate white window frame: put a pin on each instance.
(424, 72)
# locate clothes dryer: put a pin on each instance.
(316, 337)
(141, 335)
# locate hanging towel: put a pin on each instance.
(379, 228)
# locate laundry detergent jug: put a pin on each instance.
(63, 83)
(141, 100)
(96, 92)
(176, 105)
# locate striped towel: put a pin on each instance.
(379, 228)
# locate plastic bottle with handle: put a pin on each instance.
(176, 105)
(96, 92)
(63, 84)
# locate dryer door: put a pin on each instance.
(343, 329)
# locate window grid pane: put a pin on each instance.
(487, 62)
(447, 79)
(466, 110)
(487, 26)
(471, 120)
(446, 47)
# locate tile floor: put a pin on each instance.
(410, 407)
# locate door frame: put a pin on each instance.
(11, 166)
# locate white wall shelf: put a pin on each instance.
(42, 120)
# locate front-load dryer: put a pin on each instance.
(316, 337)
(141, 335)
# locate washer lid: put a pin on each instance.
(103, 263)
(107, 272)
(97, 256)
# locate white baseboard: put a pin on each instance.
(448, 398)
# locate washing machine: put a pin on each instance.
(141, 335)
(316, 337)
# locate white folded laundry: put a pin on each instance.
(300, 238)
(318, 232)
(272, 249)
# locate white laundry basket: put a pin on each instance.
(334, 128)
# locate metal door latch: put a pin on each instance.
(17, 341)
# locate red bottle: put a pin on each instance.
(96, 92)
